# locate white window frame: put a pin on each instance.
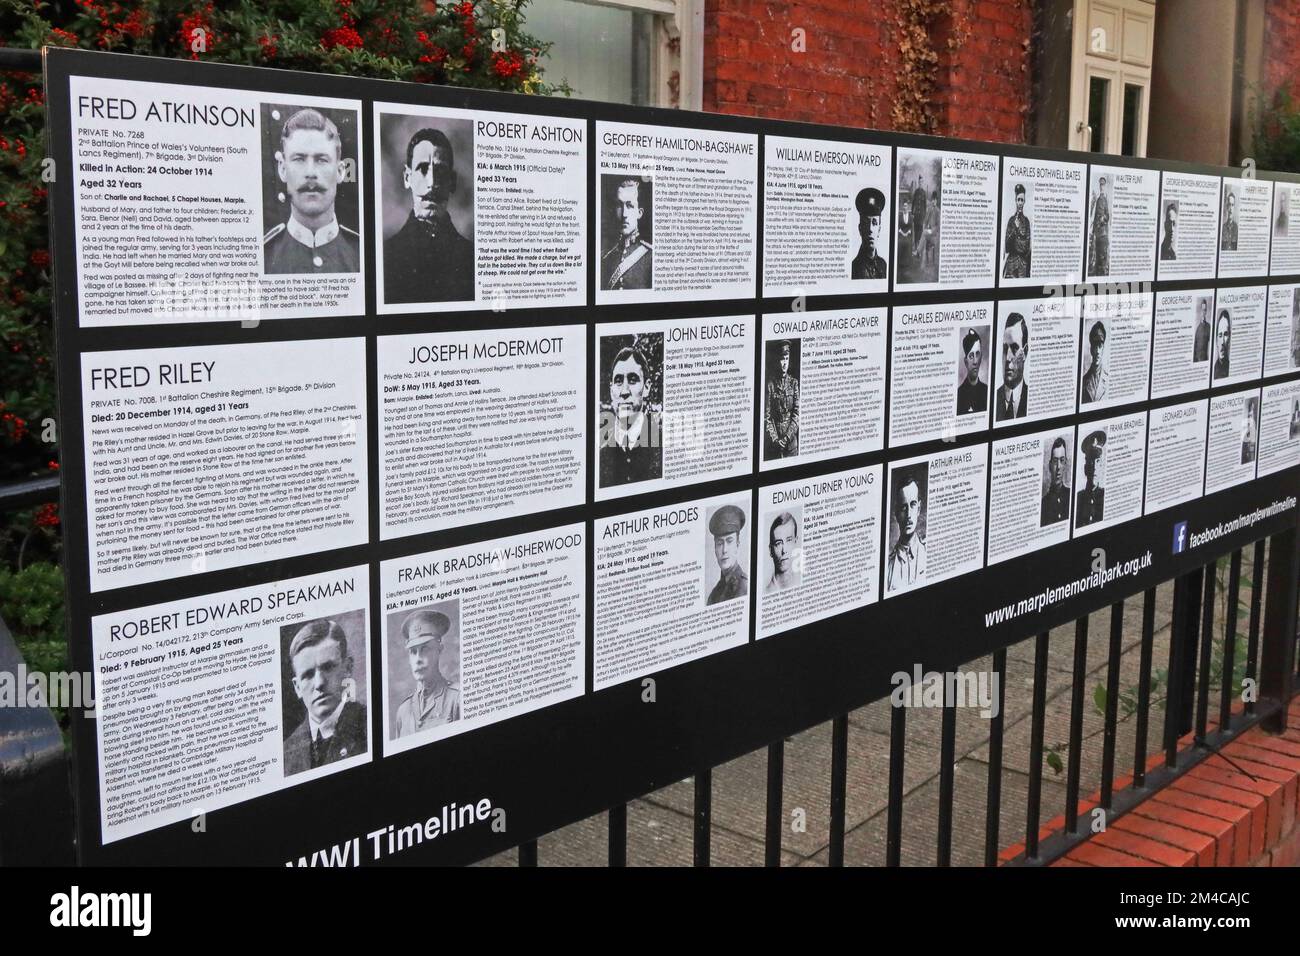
(1113, 65)
(675, 20)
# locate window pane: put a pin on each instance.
(604, 53)
(1098, 92)
(1132, 118)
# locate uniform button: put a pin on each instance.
(317, 261)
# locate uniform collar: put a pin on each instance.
(630, 242)
(326, 233)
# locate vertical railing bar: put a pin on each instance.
(528, 853)
(839, 787)
(993, 803)
(1037, 719)
(1076, 725)
(1207, 647)
(1144, 688)
(1252, 635)
(703, 815)
(1230, 641)
(947, 755)
(894, 815)
(775, 792)
(1109, 731)
(1186, 594)
(618, 835)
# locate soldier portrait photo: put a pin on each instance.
(1202, 332)
(1090, 502)
(1055, 506)
(725, 578)
(1294, 430)
(1250, 430)
(627, 253)
(1295, 329)
(423, 667)
(323, 699)
(1281, 212)
(1095, 383)
(630, 408)
(781, 399)
(920, 187)
(785, 550)
(972, 369)
(870, 262)
(1222, 346)
(1012, 400)
(1170, 220)
(427, 184)
(908, 487)
(1016, 248)
(310, 211)
(1228, 231)
(1099, 228)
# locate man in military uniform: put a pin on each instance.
(1249, 436)
(628, 262)
(311, 240)
(733, 582)
(1295, 330)
(783, 546)
(1222, 345)
(1056, 503)
(1167, 251)
(631, 447)
(907, 557)
(1096, 380)
(868, 264)
(781, 418)
(1282, 223)
(428, 260)
(1099, 247)
(1090, 502)
(1228, 235)
(1013, 394)
(1201, 344)
(335, 727)
(1017, 245)
(972, 394)
(435, 701)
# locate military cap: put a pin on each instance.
(1094, 444)
(870, 202)
(727, 520)
(1020, 189)
(785, 347)
(969, 339)
(434, 624)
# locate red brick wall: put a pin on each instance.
(848, 74)
(1282, 46)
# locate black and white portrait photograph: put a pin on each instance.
(1090, 500)
(1057, 474)
(1222, 346)
(1228, 218)
(323, 700)
(1094, 383)
(310, 204)
(1294, 430)
(1168, 230)
(427, 181)
(1250, 430)
(784, 564)
(1295, 329)
(908, 490)
(1099, 197)
(781, 399)
(871, 241)
(1281, 211)
(627, 231)
(972, 348)
(726, 548)
(1202, 332)
(1017, 244)
(424, 667)
(920, 217)
(630, 413)
(1012, 400)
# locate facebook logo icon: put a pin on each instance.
(1180, 537)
